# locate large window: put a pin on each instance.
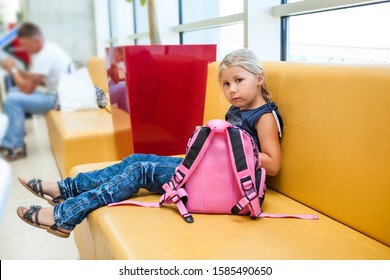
(213, 22)
(141, 23)
(121, 23)
(197, 10)
(227, 38)
(10, 14)
(355, 34)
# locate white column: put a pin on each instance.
(262, 33)
(102, 28)
(168, 16)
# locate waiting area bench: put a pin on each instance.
(335, 164)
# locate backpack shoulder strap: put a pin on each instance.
(247, 183)
(245, 179)
(272, 108)
(278, 124)
(196, 148)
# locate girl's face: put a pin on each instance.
(242, 88)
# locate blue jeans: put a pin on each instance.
(16, 105)
(91, 190)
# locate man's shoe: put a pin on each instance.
(14, 154)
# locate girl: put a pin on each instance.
(243, 82)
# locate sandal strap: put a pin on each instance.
(57, 199)
(36, 186)
(54, 227)
(30, 212)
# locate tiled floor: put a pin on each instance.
(19, 241)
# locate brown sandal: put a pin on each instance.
(34, 210)
(35, 187)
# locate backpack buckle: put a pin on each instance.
(175, 198)
(247, 183)
(252, 194)
(244, 201)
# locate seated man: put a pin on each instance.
(29, 95)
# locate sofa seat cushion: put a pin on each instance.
(81, 137)
(132, 232)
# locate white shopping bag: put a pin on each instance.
(76, 91)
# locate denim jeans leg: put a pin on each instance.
(15, 107)
(86, 181)
(148, 171)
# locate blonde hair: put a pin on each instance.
(246, 59)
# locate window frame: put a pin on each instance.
(286, 10)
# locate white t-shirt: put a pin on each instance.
(51, 61)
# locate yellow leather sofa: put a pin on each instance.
(335, 164)
(83, 136)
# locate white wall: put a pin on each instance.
(70, 23)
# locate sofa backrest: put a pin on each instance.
(216, 105)
(97, 70)
(336, 140)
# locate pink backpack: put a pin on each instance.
(218, 175)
